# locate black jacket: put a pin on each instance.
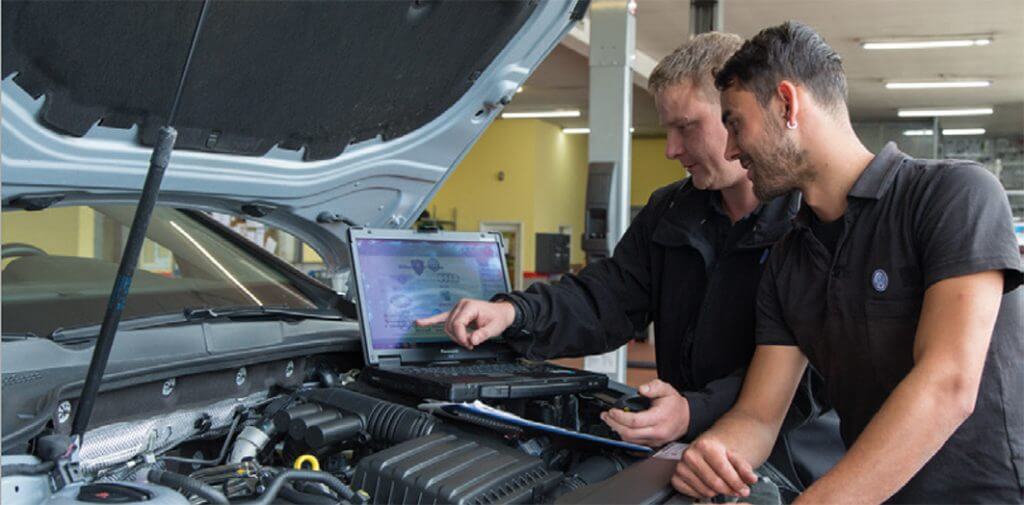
(701, 301)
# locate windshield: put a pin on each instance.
(59, 266)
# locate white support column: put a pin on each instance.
(705, 16)
(612, 47)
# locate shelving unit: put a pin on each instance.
(1003, 156)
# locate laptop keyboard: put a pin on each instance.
(485, 369)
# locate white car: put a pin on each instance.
(230, 367)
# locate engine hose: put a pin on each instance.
(188, 485)
(286, 476)
(295, 496)
(384, 421)
(326, 378)
(314, 488)
(220, 456)
(397, 423)
(248, 444)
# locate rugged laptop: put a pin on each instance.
(403, 275)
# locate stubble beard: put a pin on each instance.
(780, 168)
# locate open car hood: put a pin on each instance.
(307, 115)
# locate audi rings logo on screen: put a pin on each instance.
(448, 278)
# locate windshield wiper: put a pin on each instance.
(23, 335)
(194, 315)
(257, 312)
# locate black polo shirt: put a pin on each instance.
(909, 224)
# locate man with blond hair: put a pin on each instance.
(690, 263)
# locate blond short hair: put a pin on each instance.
(695, 61)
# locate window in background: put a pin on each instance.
(278, 242)
(59, 266)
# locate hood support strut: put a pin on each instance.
(129, 259)
(123, 281)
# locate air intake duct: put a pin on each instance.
(334, 415)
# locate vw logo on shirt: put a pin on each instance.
(880, 280)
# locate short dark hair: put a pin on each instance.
(792, 51)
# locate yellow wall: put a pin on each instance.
(65, 231)
(651, 170)
(309, 255)
(475, 190)
(71, 231)
(545, 181)
(558, 199)
(544, 186)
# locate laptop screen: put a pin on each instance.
(401, 280)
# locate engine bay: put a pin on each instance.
(318, 435)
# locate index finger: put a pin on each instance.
(742, 468)
(698, 463)
(459, 325)
(727, 472)
(432, 320)
(686, 481)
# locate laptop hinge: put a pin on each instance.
(389, 361)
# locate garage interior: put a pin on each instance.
(529, 174)
(526, 176)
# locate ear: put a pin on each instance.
(787, 94)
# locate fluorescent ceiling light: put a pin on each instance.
(927, 43)
(580, 131)
(974, 111)
(937, 84)
(945, 131)
(541, 114)
(963, 131)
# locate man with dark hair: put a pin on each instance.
(690, 262)
(898, 283)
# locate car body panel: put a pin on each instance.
(373, 183)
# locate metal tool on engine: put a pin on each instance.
(234, 480)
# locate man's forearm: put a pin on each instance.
(746, 435)
(750, 428)
(723, 458)
(912, 425)
(712, 402)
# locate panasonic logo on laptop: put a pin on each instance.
(450, 351)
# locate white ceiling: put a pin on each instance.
(661, 25)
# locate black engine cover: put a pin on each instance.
(444, 468)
